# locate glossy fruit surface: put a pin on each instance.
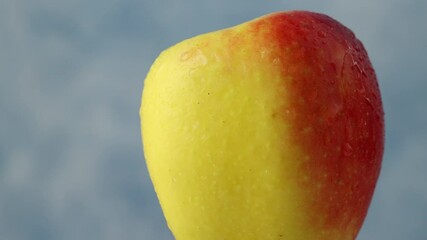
(272, 129)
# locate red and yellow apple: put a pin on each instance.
(272, 129)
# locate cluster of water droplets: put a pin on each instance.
(360, 78)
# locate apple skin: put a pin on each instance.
(272, 129)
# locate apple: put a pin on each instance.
(272, 129)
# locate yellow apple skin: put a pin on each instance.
(272, 129)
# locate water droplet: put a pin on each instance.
(346, 59)
(369, 102)
(321, 34)
(333, 111)
(191, 71)
(186, 55)
(357, 73)
(347, 45)
(194, 56)
(347, 149)
(264, 52)
(356, 66)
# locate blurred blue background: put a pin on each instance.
(71, 75)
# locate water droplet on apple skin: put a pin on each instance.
(185, 56)
(191, 71)
(369, 102)
(194, 56)
(321, 34)
(359, 79)
(347, 149)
